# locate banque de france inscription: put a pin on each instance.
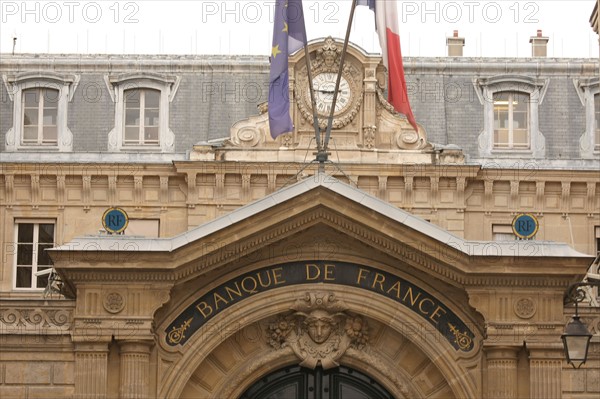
(393, 287)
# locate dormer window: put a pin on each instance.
(142, 117)
(511, 120)
(142, 112)
(589, 94)
(40, 111)
(40, 114)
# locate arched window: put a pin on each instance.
(511, 120)
(40, 113)
(142, 117)
(589, 93)
(510, 116)
(142, 112)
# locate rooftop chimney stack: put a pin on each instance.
(455, 45)
(539, 45)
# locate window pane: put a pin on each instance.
(151, 117)
(31, 97)
(132, 97)
(25, 254)
(46, 234)
(25, 232)
(151, 135)
(50, 134)
(501, 138)
(521, 111)
(501, 110)
(30, 134)
(520, 138)
(152, 98)
(50, 115)
(30, 117)
(132, 134)
(42, 256)
(42, 281)
(132, 117)
(51, 97)
(23, 277)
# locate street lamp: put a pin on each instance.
(576, 338)
(576, 341)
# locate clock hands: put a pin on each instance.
(328, 91)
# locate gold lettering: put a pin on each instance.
(312, 276)
(395, 287)
(218, 298)
(413, 300)
(260, 279)
(203, 307)
(360, 275)
(421, 305)
(230, 290)
(436, 314)
(277, 276)
(250, 290)
(379, 279)
(329, 269)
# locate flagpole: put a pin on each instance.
(312, 97)
(337, 85)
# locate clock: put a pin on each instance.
(324, 89)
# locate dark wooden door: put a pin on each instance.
(300, 383)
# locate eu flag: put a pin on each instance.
(289, 35)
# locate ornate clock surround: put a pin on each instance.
(326, 60)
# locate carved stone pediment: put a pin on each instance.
(365, 127)
(319, 330)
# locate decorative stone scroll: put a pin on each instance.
(319, 331)
(51, 320)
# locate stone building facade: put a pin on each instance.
(396, 273)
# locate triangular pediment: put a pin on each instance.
(318, 206)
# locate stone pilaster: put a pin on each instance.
(501, 372)
(545, 372)
(135, 369)
(91, 361)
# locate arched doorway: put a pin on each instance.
(301, 383)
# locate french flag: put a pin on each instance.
(386, 24)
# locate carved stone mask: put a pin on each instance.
(319, 326)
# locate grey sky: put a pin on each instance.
(491, 28)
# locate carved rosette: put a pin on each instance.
(525, 308)
(327, 60)
(113, 302)
(319, 330)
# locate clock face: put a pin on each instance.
(324, 87)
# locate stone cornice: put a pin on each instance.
(215, 63)
(412, 247)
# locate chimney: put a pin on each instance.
(455, 45)
(539, 44)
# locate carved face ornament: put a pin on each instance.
(319, 325)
